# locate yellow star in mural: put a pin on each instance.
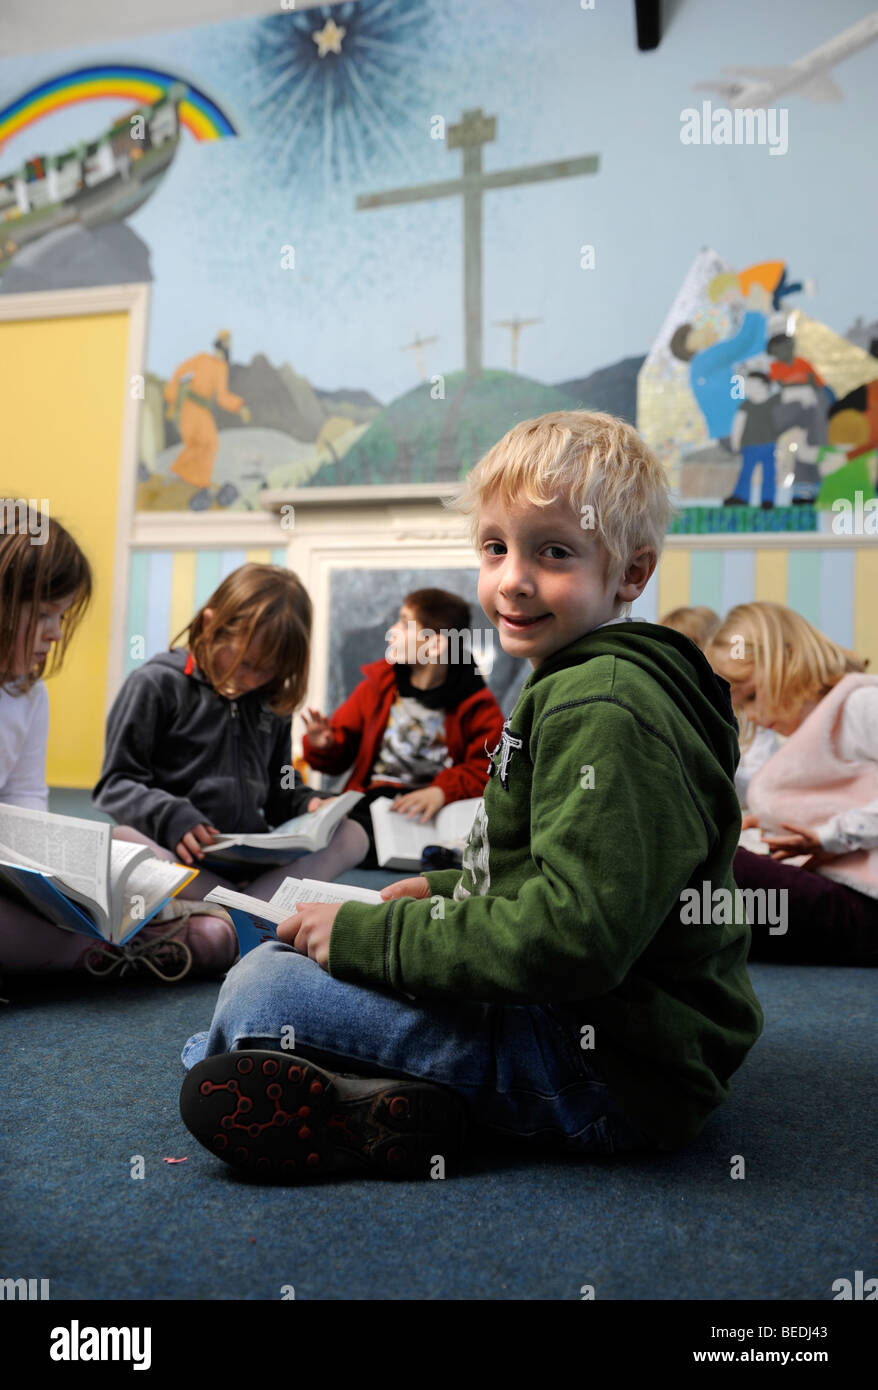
(328, 39)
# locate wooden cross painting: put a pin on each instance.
(473, 132)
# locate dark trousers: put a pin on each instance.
(828, 923)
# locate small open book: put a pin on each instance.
(400, 839)
(308, 832)
(255, 921)
(75, 874)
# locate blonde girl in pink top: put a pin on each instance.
(815, 800)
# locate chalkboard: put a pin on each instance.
(364, 603)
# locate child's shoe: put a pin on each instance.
(282, 1118)
(183, 938)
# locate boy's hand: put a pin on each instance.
(189, 849)
(317, 801)
(318, 729)
(750, 822)
(309, 930)
(407, 888)
(424, 803)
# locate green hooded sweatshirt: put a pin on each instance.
(611, 793)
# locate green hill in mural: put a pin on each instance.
(417, 439)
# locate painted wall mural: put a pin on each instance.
(378, 233)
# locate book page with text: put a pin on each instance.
(294, 891)
(76, 851)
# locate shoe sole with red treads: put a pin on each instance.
(283, 1118)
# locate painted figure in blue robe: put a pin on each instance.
(713, 361)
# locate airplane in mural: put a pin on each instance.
(808, 76)
(96, 181)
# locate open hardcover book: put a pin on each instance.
(255, 921)
(400, 839)
(308, 832)
(75, 874)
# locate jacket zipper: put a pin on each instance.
(236, 744)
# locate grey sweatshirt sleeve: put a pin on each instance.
(126, 789)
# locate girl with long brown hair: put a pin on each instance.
(199, 740)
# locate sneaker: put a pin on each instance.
(282, 1118)
(167, 958)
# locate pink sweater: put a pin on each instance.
(825, 779)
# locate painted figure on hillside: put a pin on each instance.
(754, 433)
(208, 381)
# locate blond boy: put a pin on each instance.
(556, 989)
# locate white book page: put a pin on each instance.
(398, 836)
(76, 851)
(148, 885)
(294, 891)
(227, 897)
(335, 808)
(314, 826)
(455, 821)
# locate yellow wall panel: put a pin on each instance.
(64, 398)
(866, 606)
(770, 578)
(674, 580)
(182, 592)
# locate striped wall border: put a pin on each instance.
(169, 586)
(835, 588)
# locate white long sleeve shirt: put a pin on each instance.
(24, 733)
(856, 828)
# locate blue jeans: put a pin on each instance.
(519, 1067)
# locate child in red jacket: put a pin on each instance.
(419, 726)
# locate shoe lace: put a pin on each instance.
(166, 956)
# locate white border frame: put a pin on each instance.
(133, 300)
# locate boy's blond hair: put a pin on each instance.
(787, 658)
(699, 624)
(592, 460)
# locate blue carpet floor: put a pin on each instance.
(91, 1080)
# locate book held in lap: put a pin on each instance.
(76, 875)
(400, 839)
(303, 834)
(256, 921)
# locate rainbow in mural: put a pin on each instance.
(199, 113)
(107, 178)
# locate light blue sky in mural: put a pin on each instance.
(562, 81)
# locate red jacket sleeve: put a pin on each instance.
(479, 721)
(347, 730)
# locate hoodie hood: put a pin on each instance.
(676, 664)
(176, 659)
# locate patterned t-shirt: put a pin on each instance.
(413, 749)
